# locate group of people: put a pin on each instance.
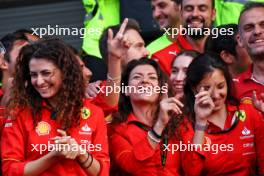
(193, 107)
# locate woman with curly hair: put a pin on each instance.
(147, 122)
(51, 129)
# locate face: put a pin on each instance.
(215, 83)
(178, 74)
(165, 12)
(87, 74)
(46, 78)
(197, 13)
(17, 46)
(143, 76)
(137, 48)
(251, 34)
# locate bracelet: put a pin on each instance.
(155, 134)
(85, 160)
(200, 127)
(153, 138)
(113, 79)
(89, 163)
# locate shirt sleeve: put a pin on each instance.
(130, 157)
(13, 148)
(258, 120)
(192, 161)
(101, 142)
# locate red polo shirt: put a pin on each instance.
(165, 56)
(21, 141)
(246, 138)
(99, 101)
(132, 152)
(244, 86)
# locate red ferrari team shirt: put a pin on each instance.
(22, 142)
(237, 151)
(165, 56)
(245, 84)
(132, 152)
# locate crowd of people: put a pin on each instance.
(188, 104)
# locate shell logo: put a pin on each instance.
(43, 128)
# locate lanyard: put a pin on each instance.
(163, 152)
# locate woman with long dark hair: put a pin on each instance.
(147, 122)
(51, 129)
(230, 135)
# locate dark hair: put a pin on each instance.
(197, 70)
(190, 53)
(69, 98)
(131, 24)
(178, 2)
(213, 3)
(248, 6)
(8, 42)
(124, 105)
(223, 42)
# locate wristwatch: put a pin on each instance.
(200, 127)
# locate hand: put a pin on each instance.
(91, 90)
(203, 105)
(258, 103)
(117, 46)
(168, 107)
(68, 147)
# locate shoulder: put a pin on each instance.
(158, 44)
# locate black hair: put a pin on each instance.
(213, 3)
(248, 6)
(223, 42)
(190, 53)
(8, 42)
(197, 70)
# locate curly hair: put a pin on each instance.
(125, 107)
(71, 93)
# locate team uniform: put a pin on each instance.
(99, 101)
(132, 152)
(242, 142)
(165, 55)
(245, 83)
(21, 141)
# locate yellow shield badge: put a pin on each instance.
(241, 114)
(85, 113)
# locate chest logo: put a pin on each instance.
(85, 130)
(241, 114)
(43, 128)
(245, 131)
(85, 113)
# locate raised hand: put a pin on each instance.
(92, 89)
(117, 45)
(258, 103)
(203, 105)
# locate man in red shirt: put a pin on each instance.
(195, 14)
(251, 36)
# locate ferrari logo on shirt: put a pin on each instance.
(86, 113)
(43, 128)
(241, 114)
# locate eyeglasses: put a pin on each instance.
(2, 48)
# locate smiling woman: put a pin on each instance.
(48, 112)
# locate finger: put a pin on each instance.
(110, 35)
(254, 96)
(164, 94)
(62, 132)
(202, 94)
(176, 101)
(123, 27)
